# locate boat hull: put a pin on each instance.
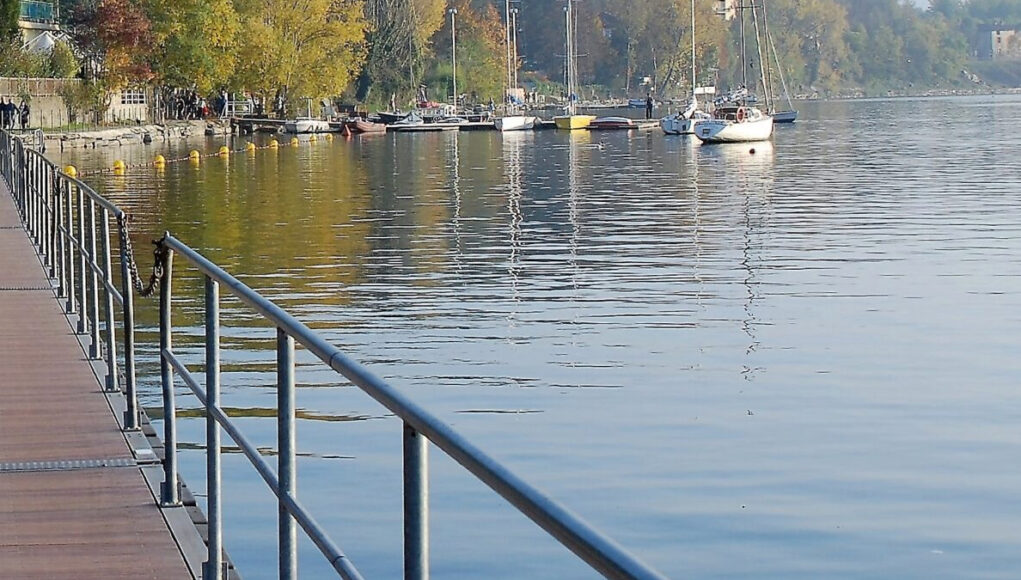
(726, 131)
(675, 125)
(362, 126)
(306, 126)
(785, 116)
(612, 123)
(568, 122)
(515, 123)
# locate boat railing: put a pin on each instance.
(69, 222)
(70, 225)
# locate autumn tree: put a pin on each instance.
(195, 42)
(114, 38)
(481, 53)
(310, 48)
(399, 40)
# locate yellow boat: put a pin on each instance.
(573, 121)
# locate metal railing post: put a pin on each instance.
(169, 495)
(82, 264)
(49, 178)
(286, 466)
(69, 255)
(212, 567)
(128, 307)
(111, 328)
(416, 505)
(60, 233)
(95, 348)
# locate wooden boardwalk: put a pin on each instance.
(74, 496)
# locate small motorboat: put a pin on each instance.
(306, 125)
(600, 123)
(359, 125)
(515, 123)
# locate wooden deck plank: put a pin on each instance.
(73, 522)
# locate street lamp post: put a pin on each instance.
(453, 53)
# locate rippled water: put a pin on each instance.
(794, 363)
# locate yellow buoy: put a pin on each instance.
(194, 155)
(250, 146)
(329, 136)
(311, 138)
(118, 165)
(71, 171)
(118, 170)
(273, 144)
(294, 141)
(160, 161)
(224, 151)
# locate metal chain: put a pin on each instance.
(159, 256)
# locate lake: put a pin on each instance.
(797, 362)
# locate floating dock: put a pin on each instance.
(77, 495)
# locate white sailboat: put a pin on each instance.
(683, 122)
(511, 122)
(740, 121)
(572, 120)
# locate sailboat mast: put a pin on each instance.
(570, 60)
(507, 14)
(693, 48)
(766, 89)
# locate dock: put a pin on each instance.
(76, 495)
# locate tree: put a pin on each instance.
(61, 62)
(399, 36)
(10, 11)
(480, 52)
(115, 40)
(311, 48)
(196, 42)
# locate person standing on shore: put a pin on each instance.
(24, 114)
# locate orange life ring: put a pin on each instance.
(740, 114)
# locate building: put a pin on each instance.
(38, 22)
(1000, 42)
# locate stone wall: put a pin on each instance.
(47, 108)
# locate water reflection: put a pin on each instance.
(528, 287)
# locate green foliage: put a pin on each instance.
(90, 98)
(196, 42)
(17, 62)
(61, 62)
(10, 10)
(311, 48)
(481, 55)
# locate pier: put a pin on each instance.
(76, 502)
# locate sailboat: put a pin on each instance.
(740, 121)
(572, 120)
(683, 122)
(790, 115)
(511, 122)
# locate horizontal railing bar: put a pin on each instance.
(600, 552)
(108, 284)
(340, 562)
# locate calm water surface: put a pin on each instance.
(797, 363)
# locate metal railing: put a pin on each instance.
(419, 428)
(35, 11)
(60, 214)
(70, 226)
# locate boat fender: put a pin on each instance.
(740, 114)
